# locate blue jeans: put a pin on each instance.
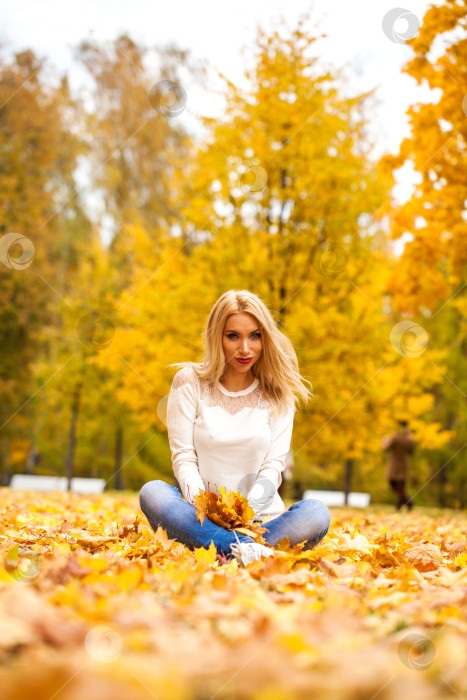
(163, 504)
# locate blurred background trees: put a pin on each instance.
(281, 196)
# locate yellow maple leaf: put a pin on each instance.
(204, 555)
(229, 510)
(461, 560)
(129, 579)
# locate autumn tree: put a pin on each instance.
(38, 219)
(429, 280)
(138, 144)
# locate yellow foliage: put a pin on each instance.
(229, 510)
(143, 609)
(207, 556)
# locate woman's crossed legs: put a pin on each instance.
(305, 521)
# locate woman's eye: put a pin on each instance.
(234, 335)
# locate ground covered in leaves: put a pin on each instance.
(94, 604)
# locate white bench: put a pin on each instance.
(30, 482)
(356, 499)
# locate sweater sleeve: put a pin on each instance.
(276, 459)
(182, 407)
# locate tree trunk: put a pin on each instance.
(5, 449)
(70, 457)
(443, 478)
(32, 458)
(118, 458)
(6, 461)
(298, 491)
(461, 495)
(348, 479)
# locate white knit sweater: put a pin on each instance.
(227, 438)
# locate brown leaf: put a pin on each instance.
(425, 557)
(455, 547)
(43, 621)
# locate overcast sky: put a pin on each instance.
(218, 31)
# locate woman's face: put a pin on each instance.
(242, 338)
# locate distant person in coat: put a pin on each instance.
(400, 445)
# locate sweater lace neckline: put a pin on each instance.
(243, 392)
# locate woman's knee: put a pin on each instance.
(321, 517)
(326, 516)
(149, 492)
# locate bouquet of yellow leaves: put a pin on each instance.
(229, 510)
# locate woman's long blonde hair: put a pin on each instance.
(277, 367)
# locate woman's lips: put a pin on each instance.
(244, 362)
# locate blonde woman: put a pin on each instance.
(229, 423)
